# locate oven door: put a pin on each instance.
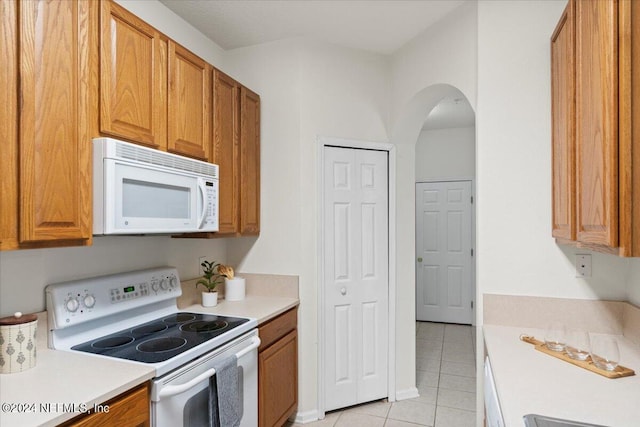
(181, 397)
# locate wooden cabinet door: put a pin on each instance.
(597, 122)
(55, 148)
(249, 162)
(189, 103)
(226, 150)
(563, 126)
(133, 78)
(131, 409)
(278, 381)
(629, 130)
(9, 127)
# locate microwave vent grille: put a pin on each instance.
(154, 157)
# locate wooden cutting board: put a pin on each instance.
(587, 364)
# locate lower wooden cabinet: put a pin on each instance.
(278, 370)
(130, 409)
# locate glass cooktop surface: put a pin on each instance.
(163, 338)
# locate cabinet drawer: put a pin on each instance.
(130, 409)
(271, 331)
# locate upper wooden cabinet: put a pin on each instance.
(249, 162)
(74, 70)
(9, 129)
(597, 122)
(607, 170)
(49, 48)
(133, 78)
(189, 103)
(226, 150)
(236, 148)
(563, 91)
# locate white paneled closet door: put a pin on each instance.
(443, 246)
(356, 275)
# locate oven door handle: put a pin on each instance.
(172, 390)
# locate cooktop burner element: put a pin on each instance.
(204, 326)
(163, 338)
(179, 318)
(159, 345)
(111, 342)
(149, 329)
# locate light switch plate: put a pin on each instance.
(583, 265)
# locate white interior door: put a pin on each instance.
(356, 274)
(443, 249)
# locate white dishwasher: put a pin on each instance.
(491, 402)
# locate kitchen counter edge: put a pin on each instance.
(529, 381)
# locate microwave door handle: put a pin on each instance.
(203, 196)
(172, 390)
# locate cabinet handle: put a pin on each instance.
(343, 291)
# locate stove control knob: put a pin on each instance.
(155, 286)
(89, 301)
(173, 281)
(164, 284)
(72, 304)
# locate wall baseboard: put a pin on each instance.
(306, 417)
(408, 393)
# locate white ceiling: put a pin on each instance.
(376, 26)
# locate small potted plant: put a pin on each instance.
(210, 280)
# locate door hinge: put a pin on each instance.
(471, 199)
(471, 251)
(472, 305)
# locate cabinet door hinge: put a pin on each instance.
(471, 304)
(471, 199)
(471, 251)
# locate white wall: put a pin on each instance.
(308, 89)
(444, 53)
(633, 283)
(516, 254)
(422, 73)
(25, 273)
(446, 153)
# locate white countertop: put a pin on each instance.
(64, 378)
(69, 378)
(531, 382)
(258, 307)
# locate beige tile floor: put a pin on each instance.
(446, 381)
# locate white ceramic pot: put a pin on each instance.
(17, 343)
(209, 299)
(234, 289)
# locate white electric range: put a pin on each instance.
(134, 316)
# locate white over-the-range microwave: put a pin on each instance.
(139, 190)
